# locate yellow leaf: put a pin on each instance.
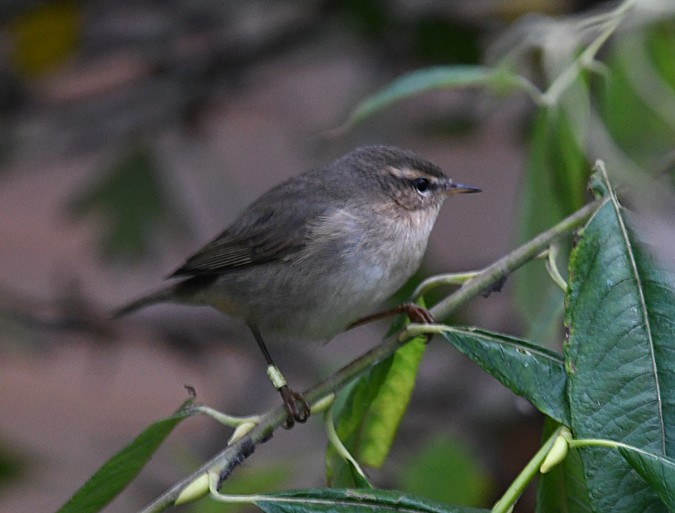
(44, 36)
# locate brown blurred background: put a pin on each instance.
(133, 132)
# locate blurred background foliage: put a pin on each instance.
(132, 201)
(110, 79)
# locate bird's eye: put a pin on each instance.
(422, 185)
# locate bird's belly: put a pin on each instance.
(349, 294)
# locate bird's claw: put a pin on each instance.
(296, 405)
(418, 314)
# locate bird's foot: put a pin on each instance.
(296, 405)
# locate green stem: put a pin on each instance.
(596, 442)
(506, 502)
(569, 74)
(608, 444)
(223, 418)
(340, 448)
(442, 279)
(552, 267)
(229, 458)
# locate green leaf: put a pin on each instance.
(563, 488)
(657, 470)
(388, 407)
(530, 371)
(430, 79)
(638, 94)
(555, 180)
(12, 467)
(446, 458)
(132, 202)
(661, 45)
(354, 501)
(367, 421)
(121, 469)
(620, 356)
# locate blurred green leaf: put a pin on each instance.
(368, 16)
(443, 40)
(529, 370)
(11, 465)
(444, 470)
(661, 44)
(429, 79)
(368, 419)
(621, 320)
(121, 469)
(658, 471)
(637, 102)
(355, 501)
(132, 203)
(553, 187)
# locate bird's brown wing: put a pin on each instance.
(271, 235)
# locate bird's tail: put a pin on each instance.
(183, 292)
(161, 296)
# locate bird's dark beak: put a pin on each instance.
(458, 188)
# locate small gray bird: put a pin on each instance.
(311, 256)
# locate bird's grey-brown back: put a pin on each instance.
(315, 253)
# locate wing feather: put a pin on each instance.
(266, 242)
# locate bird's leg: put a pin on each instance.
(296, 405)
(415, 313)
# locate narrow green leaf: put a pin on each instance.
(620, 356)
(429, 79)
(121, 469)
(657, 470)
(387, 409)
(530, 371)
(355, 501)
(369, 418)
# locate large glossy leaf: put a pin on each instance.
(530, 371)
(658, 471)
(355, 501)
(121, 469)
(620, 356)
